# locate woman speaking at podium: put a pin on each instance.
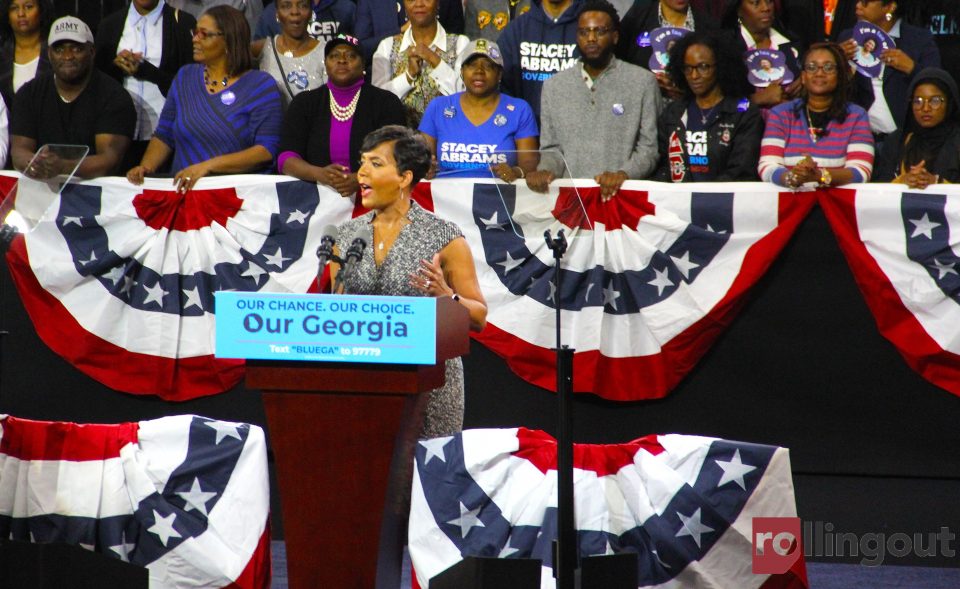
(410, 252)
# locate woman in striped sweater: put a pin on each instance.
(820, 138)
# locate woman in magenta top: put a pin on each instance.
(324, 128)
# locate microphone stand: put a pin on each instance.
(565, 551)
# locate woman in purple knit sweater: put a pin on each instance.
(820, 138)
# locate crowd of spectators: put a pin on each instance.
(794, 92)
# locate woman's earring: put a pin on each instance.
(889, 16)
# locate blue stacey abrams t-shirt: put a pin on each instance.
(467, 151)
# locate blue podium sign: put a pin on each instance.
(328, 328)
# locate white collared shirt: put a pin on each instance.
(144, 34)
(777, 40)
(881, 118)
(446, 77)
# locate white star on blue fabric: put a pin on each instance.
(114, 275)
(923, 226)
(509, 263)
(193, 298)
(944, 268)
(225, 429)
(127, 285)
(468, 519)
(297, 216)
(155, 294)
(93, 258)
(734, 470)
(71, 221)
(508, 550)
(196, 497)
(124, 548)
(661, 281)
(553, 292)
(163, 527)
(691, 526)
(610, 296)
(254, 272)
(434, 449)
(492, 222)
(276, 259)
(683, 264)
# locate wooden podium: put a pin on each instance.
(335, 429)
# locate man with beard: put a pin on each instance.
(600, 114)
(74, 104)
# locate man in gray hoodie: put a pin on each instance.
(601, 114)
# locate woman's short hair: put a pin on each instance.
(731, 71)
(410, 151)
(841, 94)
(47, 16)
(236, 35)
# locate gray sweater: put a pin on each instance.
(611, 127)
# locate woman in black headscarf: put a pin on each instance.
(927, 150)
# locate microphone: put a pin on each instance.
(327, 240)
(325, 250)
(355, 251)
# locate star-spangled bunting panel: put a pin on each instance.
(185, 496)
(683, 504)
(650, 279)
(901, 246)
(119, 279)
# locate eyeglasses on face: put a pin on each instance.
(598, 31)
(204, 34)
(828, 67)
(702, 68)
(935, 102)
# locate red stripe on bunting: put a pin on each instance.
(895, 322)
(27, 439)
(654, 376)
(540, 449)
(257, 573)
(193, 210)
(130, 372)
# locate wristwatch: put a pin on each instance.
(825, 178)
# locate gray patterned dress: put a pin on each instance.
(424, 236)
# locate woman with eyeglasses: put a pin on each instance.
(713, 133)
(756, 25)
(221, 116)
(635, 45)
(421, 63)
(885, 97)
(927, 150)
(819, 139)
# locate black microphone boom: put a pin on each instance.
(325, 251)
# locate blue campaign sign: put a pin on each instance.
(330, 328)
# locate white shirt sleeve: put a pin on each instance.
(4, 132)
(381, 76)
(448, 78)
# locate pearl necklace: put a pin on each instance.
(343, 113)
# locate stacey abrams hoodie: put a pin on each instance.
(536, 46)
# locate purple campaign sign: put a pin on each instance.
(661, 40)
(871, 42)
(765, 66)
